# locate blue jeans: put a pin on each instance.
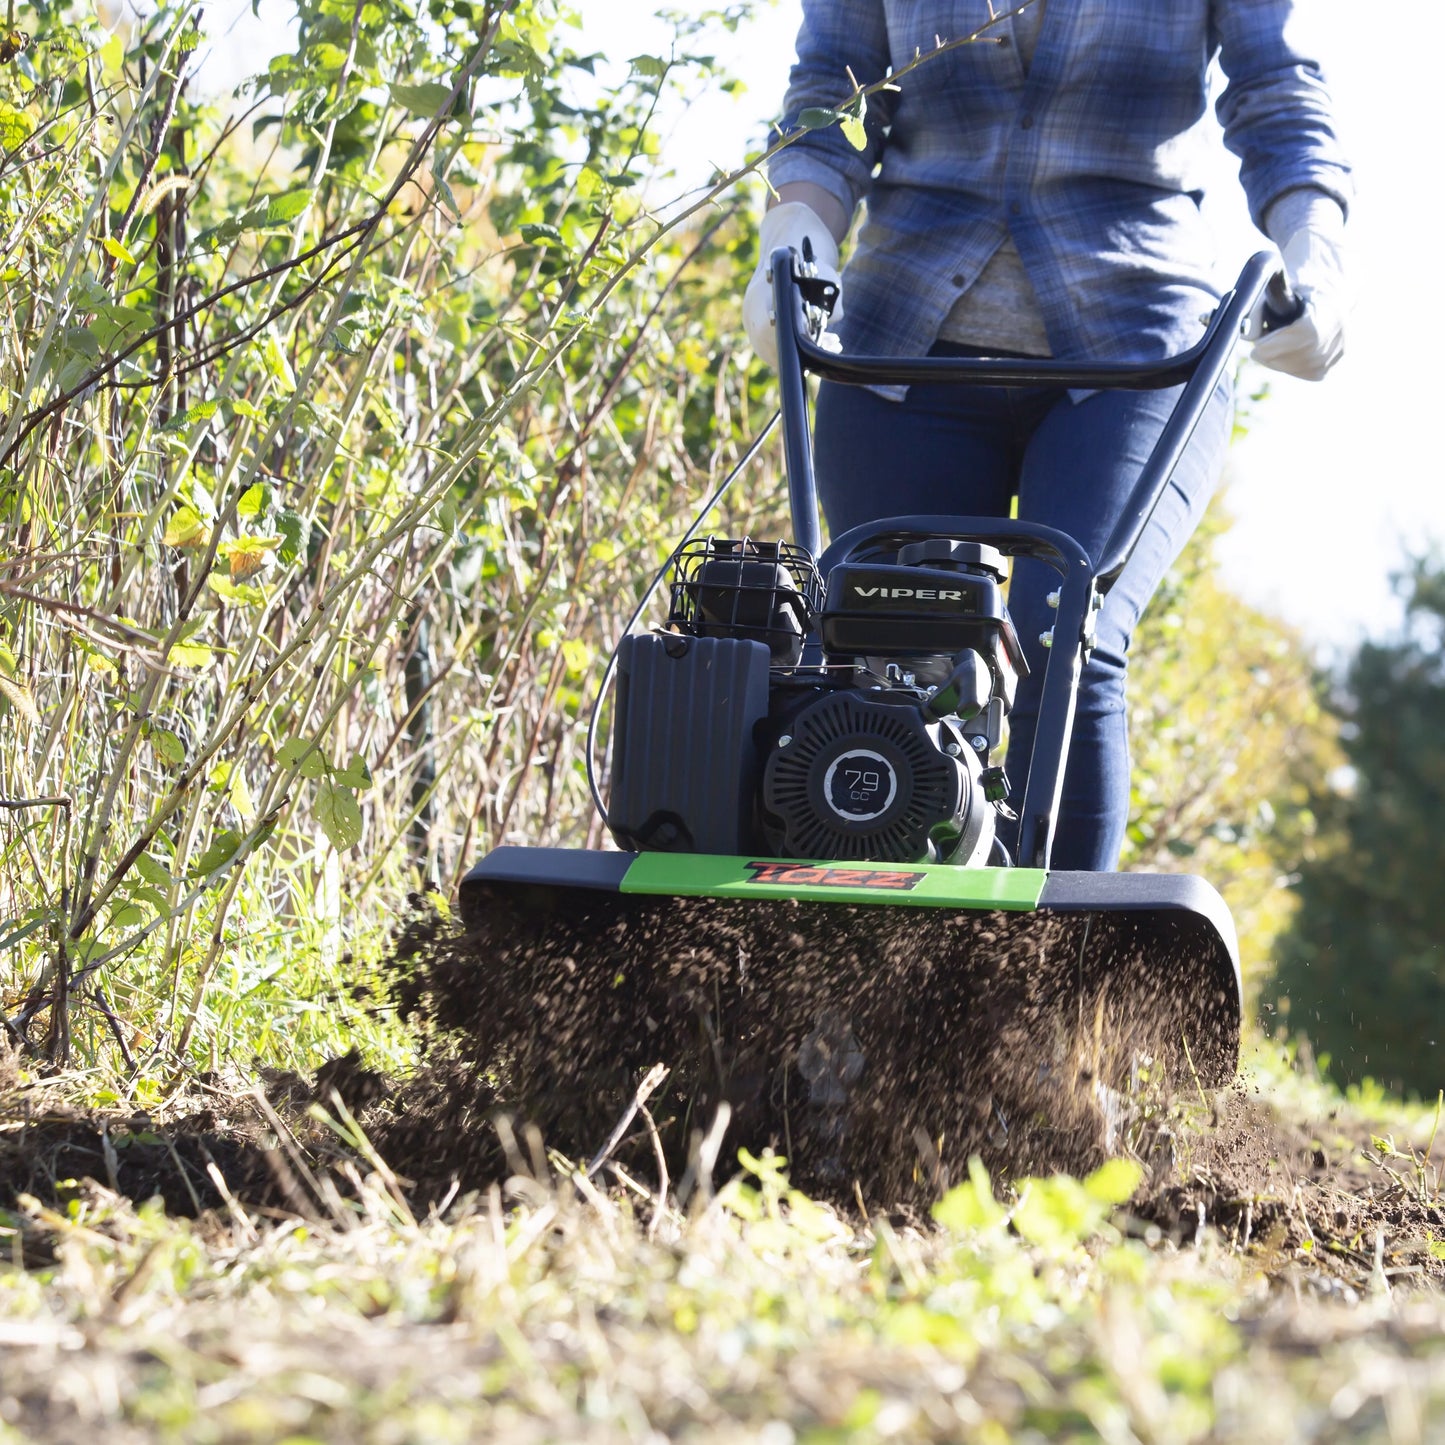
(1071, 464)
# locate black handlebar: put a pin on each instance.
(1200, 368)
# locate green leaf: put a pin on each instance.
(1114, 1181)
(342, 338)
(816, 117)
(276, 363)
(448, 200)
(153, 871)
(152, 896)
(294, 531)
(426, 99)
(300, 750)
(253, 501)
(856, 132)
(338, 814)
(355, 774)
(1061, 1213)
(201, 411)
(213, 238)
(971, 1207)
(128, 915)
(281, 209)
(113, 324)
(239, 594)
(169, 748)
(540, 235)
(577, 655)
(650, 66)
(224, 847)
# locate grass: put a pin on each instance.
(555, 1311)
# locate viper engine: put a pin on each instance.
(853, 721)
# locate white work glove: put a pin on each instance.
(788, 224)
(1309, 347)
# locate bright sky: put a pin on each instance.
(1335, 480)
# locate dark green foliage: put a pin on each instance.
(1363, 970)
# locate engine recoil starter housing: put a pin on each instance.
(857, 778)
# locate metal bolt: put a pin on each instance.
(980, 744)
(1046, 639)
(1053, 599)
(785, 740)
(952, 749)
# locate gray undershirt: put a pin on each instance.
(1000, 309)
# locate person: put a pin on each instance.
(1037, 193)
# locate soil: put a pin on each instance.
(876, 1048)
(48, 1149)
(521, 1056)
(1328, 1191)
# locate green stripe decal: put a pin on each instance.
(918, 885)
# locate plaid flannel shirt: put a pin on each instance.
(1091, 161)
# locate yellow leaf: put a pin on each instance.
(118, 249)
(246, 564)
(240, 795)
(15, 127)
(190, 654)
(186, 529)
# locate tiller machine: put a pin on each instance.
(822, 911)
